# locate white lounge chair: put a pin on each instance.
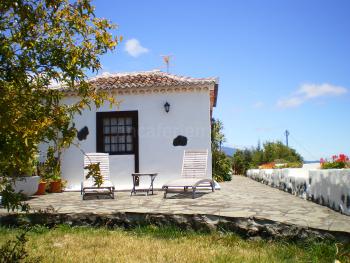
(193, 175)
(88, 186)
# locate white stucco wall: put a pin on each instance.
(189, 116)
(331, 188)
(292, 180)
(326, 187)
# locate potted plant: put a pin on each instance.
(53, 171)
(41, 188)
(56, 184)
(26, 181)
(43, 179)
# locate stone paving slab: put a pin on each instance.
(242, 197)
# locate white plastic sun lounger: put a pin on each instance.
(87, 186)
(193, 175)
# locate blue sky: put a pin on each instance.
(281, 64)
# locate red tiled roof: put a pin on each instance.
(152, 79)
(146, 79)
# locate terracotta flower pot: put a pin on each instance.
(56, 187)
(41, 188)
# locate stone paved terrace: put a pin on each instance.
(240, 198)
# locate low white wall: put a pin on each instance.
(326, 187)
(331, 188)
(292, 180)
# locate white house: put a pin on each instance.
(155, 108)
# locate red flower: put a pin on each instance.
(342, 158)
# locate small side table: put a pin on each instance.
(135, 177)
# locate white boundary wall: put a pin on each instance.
(329, 187)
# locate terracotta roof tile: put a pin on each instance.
(146, 79)
(151, 79)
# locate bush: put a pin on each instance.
(221, 163)
(11, 200)
(332, 165)
(292, 165)
(221, 167)
(242, 161)
(14, 250)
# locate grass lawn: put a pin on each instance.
(153, 244)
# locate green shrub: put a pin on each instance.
(221, 163)
(292, 165)
(221, 167)
(333, 165)
(242, 161)
(11, 200)
(14, 250)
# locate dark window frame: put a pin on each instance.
(100, 133)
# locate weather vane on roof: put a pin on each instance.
(166, 60)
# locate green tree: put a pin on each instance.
(222, 166)
(217, 136)
(257, 155)
(242, 161)
(271, 152)
(277, 151)
(44, 42)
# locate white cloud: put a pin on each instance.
(258, 105)
(134, 48)
(314, 90)
(290, 102)
(311, 91)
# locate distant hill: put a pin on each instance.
(311, 162)
(228, 150)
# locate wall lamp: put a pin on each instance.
(167, 107)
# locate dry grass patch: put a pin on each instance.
(152, 244)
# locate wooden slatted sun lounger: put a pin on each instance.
(193, 175)
(87, 186)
